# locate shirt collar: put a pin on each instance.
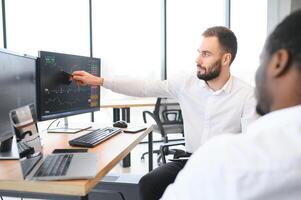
(226, 88)
(228, 85)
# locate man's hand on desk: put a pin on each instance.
(85, 78)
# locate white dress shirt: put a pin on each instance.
(264, 164)
(206, 113)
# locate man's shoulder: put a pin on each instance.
(220, 145)
(231, 150)
(266, 142)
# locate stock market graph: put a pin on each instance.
(58, 95)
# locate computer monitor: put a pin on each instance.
(17, 88)
(59, 97)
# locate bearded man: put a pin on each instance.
(212, 101)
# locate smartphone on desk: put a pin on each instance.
(134, 129)
(70, 151)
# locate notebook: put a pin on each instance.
(35, 165)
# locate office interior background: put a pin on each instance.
(140, 39)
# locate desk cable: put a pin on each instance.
(37, 137)
(53, 122)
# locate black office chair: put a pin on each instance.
(168, 120)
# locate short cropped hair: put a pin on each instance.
(287, 35)
(226, 38)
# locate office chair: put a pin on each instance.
(168, 120)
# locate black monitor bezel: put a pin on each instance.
(42, 117)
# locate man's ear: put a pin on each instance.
(227, 59)
(279, 63)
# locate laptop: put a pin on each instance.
(35, 165)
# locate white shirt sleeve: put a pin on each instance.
(146, 88)
(201, 178)
(262, 165)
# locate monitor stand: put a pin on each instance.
(9, 150)
(69, 129)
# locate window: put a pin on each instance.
(186, 21)
(127, 38)
(50, 25)
(53, 25)
(249, 23)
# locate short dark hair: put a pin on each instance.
(226, 38)
(287, 35)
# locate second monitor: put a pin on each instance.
(57, 96)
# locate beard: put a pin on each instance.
(213, 71)
(263, 106)
(259, 110)
(262, 93)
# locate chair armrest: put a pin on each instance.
(165, 146)
(149, 113)
(170, 144)
(158, 122)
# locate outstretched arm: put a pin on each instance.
(85, 78)
(138, 88)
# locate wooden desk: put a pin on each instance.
(109, 153)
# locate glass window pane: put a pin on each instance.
(186, 21)
(50, 25)
(53, 25)
(250, 28)
(1, 28)
(126, 36)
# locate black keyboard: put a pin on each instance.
(54, 165)
(95, 137)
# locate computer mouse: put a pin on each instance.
(120, 124)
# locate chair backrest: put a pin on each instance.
(168, 111)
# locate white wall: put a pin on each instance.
(250, 30)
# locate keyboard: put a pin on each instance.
(95, 137)
(54, 165)
(29, 163)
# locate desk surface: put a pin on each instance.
(109, 153)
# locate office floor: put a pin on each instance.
(138, 166)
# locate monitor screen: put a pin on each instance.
(17, 86)
(58, 96)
